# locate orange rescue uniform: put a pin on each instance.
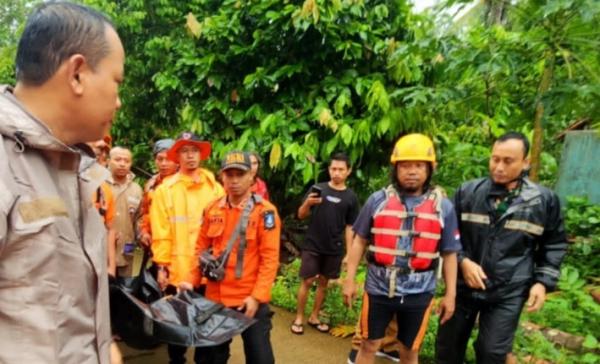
(175, 217)
(261, 257)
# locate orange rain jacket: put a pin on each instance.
(175, 217)
(261, 257)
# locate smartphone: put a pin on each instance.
(316, 189)
(128, 248)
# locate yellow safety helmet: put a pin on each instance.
(414, 147)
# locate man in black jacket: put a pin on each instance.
(513, 243)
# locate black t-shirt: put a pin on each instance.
(328, 220)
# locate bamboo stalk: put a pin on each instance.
(538, 130)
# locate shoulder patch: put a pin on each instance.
(42, 208)
(269, 219)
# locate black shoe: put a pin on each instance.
(352, 356)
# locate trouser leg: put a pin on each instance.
(257, 338)
(497, 325)
(176, 354)
(453, 336)
(390, 341)
(218, 354)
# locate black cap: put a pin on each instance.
(237, 160)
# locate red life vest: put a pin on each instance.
(425, 233)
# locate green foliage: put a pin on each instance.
(297, 81)
(12, 19)
(285, 290)
(582, 222)
(582, 219)
(293, 81)
(462, 159)
(536, 345)
(572, 308)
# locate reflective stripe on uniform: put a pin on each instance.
(403, 253)
(477, 218)
(525, 226)
(552, 272)
(395, 232)
(176, 219)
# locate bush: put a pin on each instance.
(571, 309)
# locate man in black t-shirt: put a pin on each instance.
(332, 208)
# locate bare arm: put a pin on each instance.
(348, 235)
(450, 271)
(354, 256)
(111, 240)
(448, 302)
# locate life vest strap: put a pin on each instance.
(403, 253)
(392, 287)
(404, 214)
(404, 233)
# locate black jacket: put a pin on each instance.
(524, 245)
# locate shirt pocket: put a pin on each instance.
(252, 232)
(132, 204)
(215, 229)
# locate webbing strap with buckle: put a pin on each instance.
(397, 232)
(239, 231)
(392, 288)
(403, 253)
(405, 214)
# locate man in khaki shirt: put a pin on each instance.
(128, 196)
(53, 281)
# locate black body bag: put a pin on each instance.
(144, 319)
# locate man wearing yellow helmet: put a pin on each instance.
(404, 228)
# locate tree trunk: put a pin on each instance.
(495, 11)
(538, 130)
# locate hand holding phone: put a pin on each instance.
(316, 190)
(314, 196)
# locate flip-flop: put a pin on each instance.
(319, 326)
(297, 329)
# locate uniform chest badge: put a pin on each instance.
(218, 219)
(269, 220)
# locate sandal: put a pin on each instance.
(297, 329)
(319, 326)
